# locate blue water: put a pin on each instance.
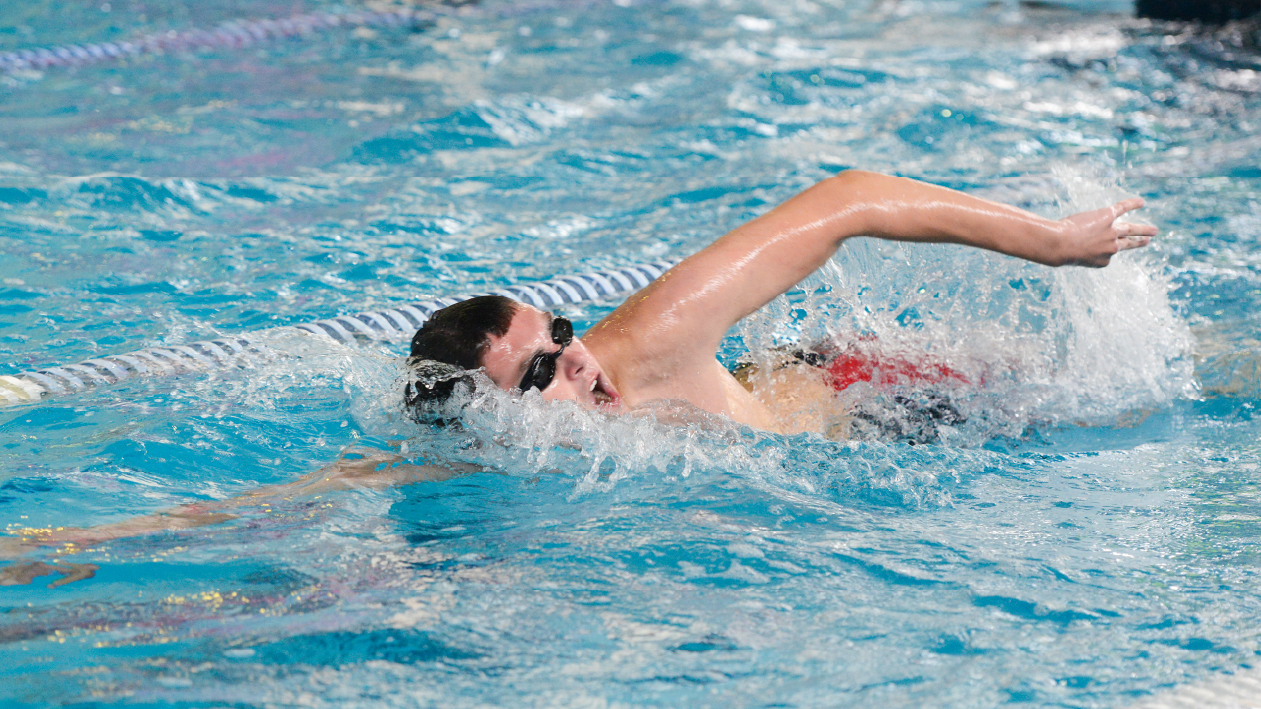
(1085, 539)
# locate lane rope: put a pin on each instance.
(234, 34)
(393, 325)
(237, 34)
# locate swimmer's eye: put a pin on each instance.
(542, 369)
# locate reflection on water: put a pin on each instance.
(1077, 529)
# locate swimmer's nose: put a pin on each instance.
(571, 363)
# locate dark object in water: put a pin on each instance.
(1202, 10)
(907, 419)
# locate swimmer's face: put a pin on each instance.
(578, 374)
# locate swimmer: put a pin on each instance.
(662, 343)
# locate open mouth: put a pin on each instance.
(603, 393)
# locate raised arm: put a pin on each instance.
(688, 311)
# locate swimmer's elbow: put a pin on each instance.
(850, 196)
(856, 175)
(852, 183)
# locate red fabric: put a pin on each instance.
(851, 366)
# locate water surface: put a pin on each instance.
(1085, 539)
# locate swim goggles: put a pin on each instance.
(542, 369)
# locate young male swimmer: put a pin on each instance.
(662, 343)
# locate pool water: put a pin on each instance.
(1085, 538)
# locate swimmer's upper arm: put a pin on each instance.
(686, 313)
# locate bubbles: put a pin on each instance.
(670, 447)
(1024, 345)
(525, 435)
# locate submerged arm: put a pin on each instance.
(369, 469)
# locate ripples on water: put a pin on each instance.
(1085, 538)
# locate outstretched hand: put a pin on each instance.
(1093, 238)
(22, 574)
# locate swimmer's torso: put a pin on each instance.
(793, 398)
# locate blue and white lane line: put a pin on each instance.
(393, 325)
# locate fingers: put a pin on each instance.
(1101, 235)
(74, 572)
(1126, 205)
(1130, 235)
(1131, 230)
(1133, 236)
(1133, 242)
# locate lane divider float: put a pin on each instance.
(229, 35)
(393, 325)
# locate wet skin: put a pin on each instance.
(661, 344)
(356, 468)
(579, 376)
